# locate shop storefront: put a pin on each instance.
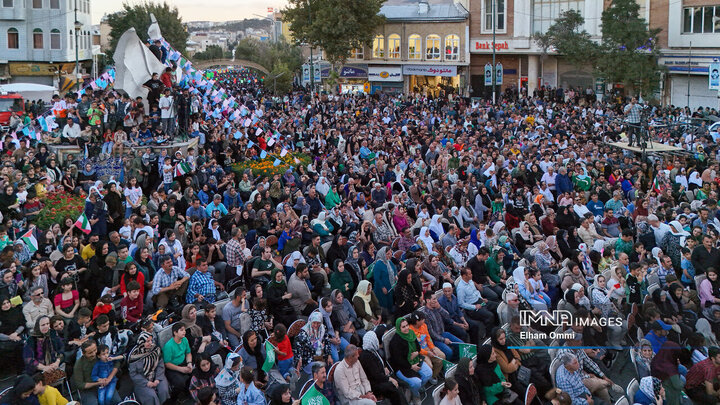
(388, 79)
(432, 79)
(353, 78)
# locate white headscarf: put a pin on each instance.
(227, 377)
(426, 240)
(320, 220)
(322, 187)
(215, 231)
(695, 178)
(435, 225)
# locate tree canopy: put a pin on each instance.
(138, 16)
(336, 26)
(211, 52)
(626, 54)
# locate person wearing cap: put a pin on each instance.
(658, 335)
(700, 379)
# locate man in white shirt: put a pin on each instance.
(351, 382)
(167, 113)
(549, 178)
(71, 132)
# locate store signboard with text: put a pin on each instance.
(430, 70)
(385, 74)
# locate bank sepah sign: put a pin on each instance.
(430, 70)
(385, 74)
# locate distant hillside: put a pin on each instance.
(255, 23)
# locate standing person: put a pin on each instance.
(632, 118)
(167, 113)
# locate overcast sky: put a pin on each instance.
(199, 10)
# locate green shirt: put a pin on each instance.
(622, 246)
(175, 353)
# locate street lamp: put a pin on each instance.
(78, 26)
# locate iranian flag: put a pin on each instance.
(181, 169)
(30, 241)
(83, 224)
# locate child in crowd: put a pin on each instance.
(104, 369)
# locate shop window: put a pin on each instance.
(394, 46)
(37, 3)
(452, 47)
(379, 46)
(37, 38)
(432, 47)
(545, 12)
(357, 53)
(701, 20)
(414, 47)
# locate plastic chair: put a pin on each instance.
(295, 327)
(622, 401)
(451, 372)
(632, 388)
(436, 393)
(530, 394)
(554, 365)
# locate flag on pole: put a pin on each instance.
(447, 365)
(467, 350)
(314, 397)
(269, 357)
(83, 223)
(181, 169)
(30, 241)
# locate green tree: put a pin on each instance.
(630, 52)
(138, 16)
(280, 79)
(211, 52)
(336, 26)
(567, 38)
(270, 55)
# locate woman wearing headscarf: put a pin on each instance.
(332, 198)
(228, 380)
(147, 371)
(466, 378)
(337, 251)
(520, 278)
(312, 343)
(143, 261)
(566, 218)
(384, 277)
(301, 207)
(12, 324)
(352, 265)
(651, 392)
(253, 354)
(374, 366)
(425, 240)
(194, 333)
(114, 202)
(203, 376)
(665, 367)
(405, 358)
(279, 299)
(406, 297)
(524, 237)
(507, 359)
(340, 278)
(490, 376)
(337, 342)
(436, 227)
(43, 351)
(213, 229)
(366, 305)
(673, 242)
(344, 319)
(644, 355)
(322, 226)
(96, 212)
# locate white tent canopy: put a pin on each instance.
(30, 91)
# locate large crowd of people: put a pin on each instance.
(416, 226)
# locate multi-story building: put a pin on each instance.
(525, 63)
(422, 47)
(689, 42)
(37, 39)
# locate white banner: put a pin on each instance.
(430, 70)
(385, 74)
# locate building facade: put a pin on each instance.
(37, 40)
(689, 42)
(524, 63)
(422, 47)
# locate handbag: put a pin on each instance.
(508, 396)
(523, 375)
(53, 376)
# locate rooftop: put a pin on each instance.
(410, 10)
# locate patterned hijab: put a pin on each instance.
(149, 357)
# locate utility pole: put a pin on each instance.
(688, 75)
(312, 68)
(77, 49)
(494, 76)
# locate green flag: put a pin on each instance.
(314, 397)
(269, 357)
(468, 350)
(447, 365)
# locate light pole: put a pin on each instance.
(494, 69)
(275, 78)
(78, 25)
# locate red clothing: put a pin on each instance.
(284, 346)
(140, 278)
(166, 79)
(699, 373)
(131, 310)
(102, 309)
(58, 301)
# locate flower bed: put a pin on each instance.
(59, 206)
(266, 167)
